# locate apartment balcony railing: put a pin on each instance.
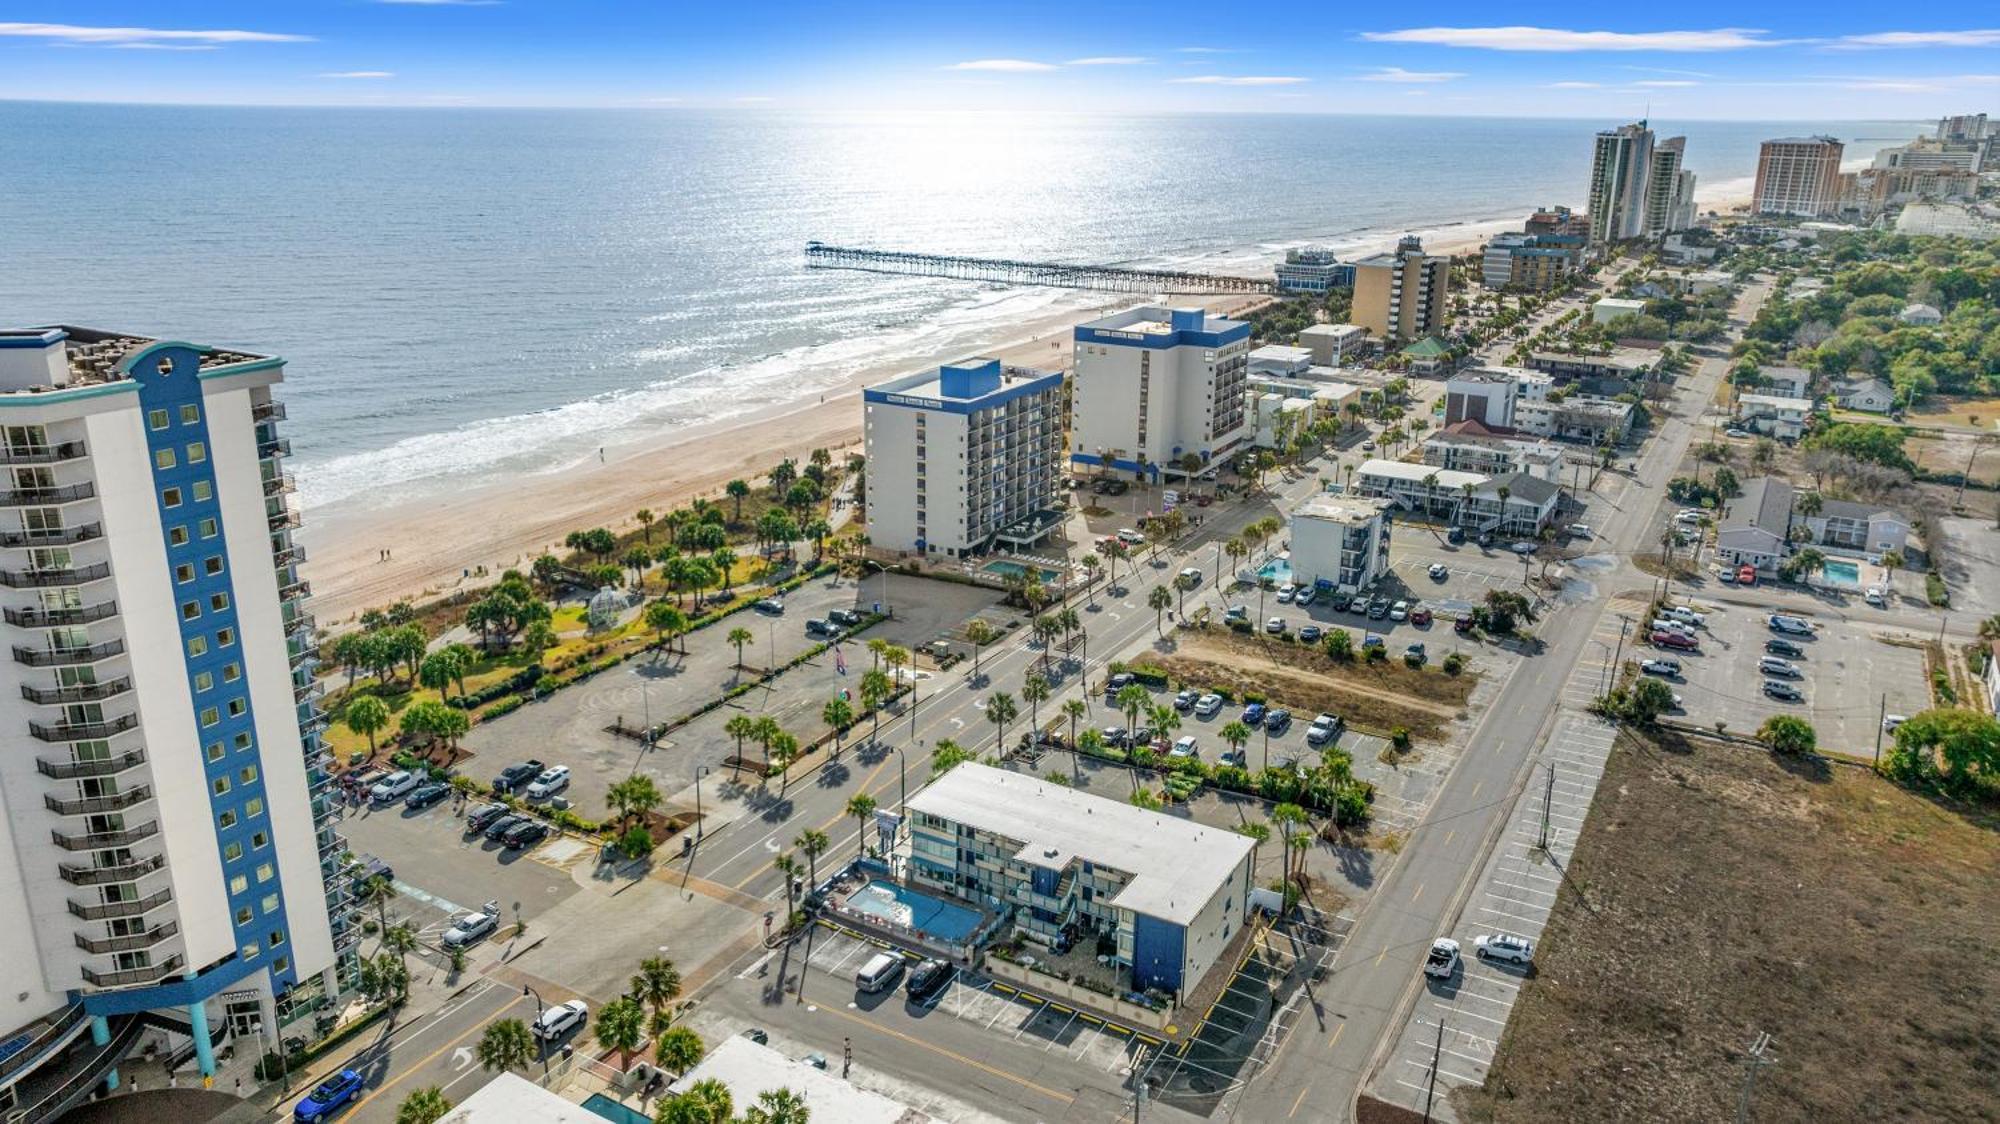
(297, 589)
(77, 874)
(52, 618)
(53, 576)
(274, 447)
(267, 411)
(68, 657)
(300, 622)
(102, 911)
(83, 731)
(151, 974)
(89, 805)
(42, 454)
(99, 840)
(279, 483)
(132, 943)
(76, 693)
(283, 519)
(288, 556)
(310, 689)
(49, 496)
(106, 767)
(52, 536)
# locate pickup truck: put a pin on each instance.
(516, 775)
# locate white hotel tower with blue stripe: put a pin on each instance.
(169, 850)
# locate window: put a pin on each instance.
(218, 602)
(163, 459)
(231, 673)
(251, 951)
(281, 965)
(238, 884)
(212, 564)
(156, 419)
(203, 490)
(254, 806)
(230, 853)
(224, 637)
(243, 740)
(208, 528)
(197, 646)
(190, 610)
(197, 452)
(209, 717)
(177, 536)
(226, 820)
(190, 414)
(247, 775)
(266, 872)
(270, 903)
(260, 841)
(236, 708)
(243, 916)
(170, 497)
(220, 786)
(214, 751)
(277, 937)
(203, 681)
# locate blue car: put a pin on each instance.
(332, 1093)
(1253, 715)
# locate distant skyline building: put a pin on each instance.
(1313, 269)
(1798, 176)
(172, 850)
(1558, 220)
(1534, 262)
(965, 455)
(1154, 385)
(1962, 128)
(1621, 161)
(1669, 190)
(1401, 296)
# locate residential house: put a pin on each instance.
(1414, 487)
(1787, 382)
(1920, 314)
(1469, 446)
(1589, 419)
(1871, 395)
(1756, 526)
(1868, 527)
(1528, 504)
(1774, 415)
(1340, 541)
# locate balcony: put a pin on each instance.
(279, 484)
(77, 874)
(42, 454)
(69, 657)
(51, 618)
(274, 447)
(53, 536)
(67, 575)
(82, 692)
(133, 943)
(171, 966)
(83, 731)
(297, 589)
(107, 767)
(44, 497)
(288, 556)
(88, 805)
(98, 841)
(282, 520)
(267, 411)
(137, 907)
(299, 622)
(311, 689)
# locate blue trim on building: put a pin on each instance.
(39, 339)
(964, 405)
(179, 993)
(202, 577)
(1159, 953)
(1152, 468)
(1185, 331)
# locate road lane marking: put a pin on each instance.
(1418, 893)
(432, 1056)
(1052, 1094)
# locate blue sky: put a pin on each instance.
(1704, 60)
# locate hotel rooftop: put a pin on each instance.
(61, 356)
(1174, 864)
(965, 381)
(1157, 320)
(1348, 511)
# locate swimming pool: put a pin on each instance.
(912, 909)
(1007, 569)
(1839, 571)
(1277, 570)
(600, 1105)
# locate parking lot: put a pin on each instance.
(440, 871)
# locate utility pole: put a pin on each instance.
(1548, 798)
(1753, 1063)
(1880, 721)
(1624, 622)
(1437, 1059)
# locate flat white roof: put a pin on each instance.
(1175, 865)
(1620, 302)
(1337, 331)
(1777, 402)
(1350, 511)
(749, 1069)
(510, 1097)
(1449, 479)
(1282, 353)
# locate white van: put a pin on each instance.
(1667, 624)
(879, 974)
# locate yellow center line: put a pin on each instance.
(1065, 1098)
(1449, 834)
(1297, 1103)
(1419, 892)
(1336, 1035)
(1381, 956)
(768, 863)
(428, 1058)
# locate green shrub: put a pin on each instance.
(1453, 664)
(1934, 588)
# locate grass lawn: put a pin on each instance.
(1716, 894)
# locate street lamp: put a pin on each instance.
(700, 824)
(527, 989)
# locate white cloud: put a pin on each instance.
(1109, 60)
(1576, 86)
(1981, 37)
(1558, 39)
(1012, 66)
(1243, 80)
(1398, 74)
(1207, 50)
(359, 74)
(125, 36)
(1667, 83)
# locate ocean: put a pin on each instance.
(464, 294)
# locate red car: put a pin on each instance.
(1675, 640)
(1746, 574)
(1462, 624)
(1420, 617)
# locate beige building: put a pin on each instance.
(1402, 296)
(1798, 176)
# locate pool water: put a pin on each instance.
(1839, 572)
(1008, 569)
(913, 909)
(1277, 570)
(601, 1105)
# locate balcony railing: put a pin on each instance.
(288, 556)
(267, 411)
(51, 618)
(101, 911)
(152, 974)
(97, 841)
(105, 767)
(68, 657)
(300, 622)
(275, 447)
(283, 519)
(77, 874)
(279, 483)
(76, 693)
(83, 731)
(52, 536)
(132, 943)
(42, 454)
(300, 588)
(310, 689)
(43, 497)
(87, 805)
(64, 575)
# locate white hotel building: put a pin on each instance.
(169, 848)
(1154, 385)
(963, 457)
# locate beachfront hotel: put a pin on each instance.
(170, 856)
(1798, 176)
(1402, 296)
(1620, 163)
(964, 457)
(1669, 190)
(1155, 385)
(1158, 895)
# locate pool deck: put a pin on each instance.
(853, 879)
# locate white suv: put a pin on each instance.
(558, 1020)
(1505, 946)
(394, 786)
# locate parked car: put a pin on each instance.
(1253, 714)
(846, 618)
(771, 605)
(1276, 625)
(819, 626)
(469, 927)
(1341, 601)
(1746, 574)
(1185, 747)
(516, 775)
(1462, 625)
(1236, 613)
(527, 833)
(425, 795)
(1663, 665)
(556, 1021)
(1734, 431)
(927, 979)
(372, 867)
(1421, 617)
(1797, 626)
(394, 786)
(1522, 547)
(1579, 530)
(1678, 640)
(1416, 650)
(1378, 608)
(1286, 592)
(1276, 721)
(1373, 640)
(1668, 624)
(1439, 572)
(1504, 946)
(1116, 736)
(327, 1096)
(1207, 705)
(482, 816)
(553, 780)
(1687, 616)
(1118, 683)
(1784, 648)
(1891, 721)
(1324, 728)
(1690, 516)
(500, 827)
(1772, 665)
(1876, 597)
(1310, 634)
(1779, 689)
(1184, 701)
(1191, 573)
(1400, 611)
(1130, 537)
(1443, 959)
(1306, 595)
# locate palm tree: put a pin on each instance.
(876, 647)
(505, 1045)
(1165, 721)
(666, 621)
(1183, 583)
(377, 891)
(1091, 565)
(1000, 710)
(1237, 550)
(1286, 816)
(705, 1102)
(979, 634)
(656, 984)
(424, 1106)
(1159, 600)
(400, 939)
(837, 714)
(1091, 742)
(678, 1049)
(1236, 734)
(1074, 709)
(621, 1026)
(1260, 834)
(737, 490)
(788, 866)
(860, 806)
(778, 1106)
(784, 747)
(740, 636)
(813, 843)
(1035, 690)
(739, 726)
(1131, 699)
(876, 687)
(634, 796)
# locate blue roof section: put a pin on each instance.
(32, 337)
(1194, 327)
(963, 387)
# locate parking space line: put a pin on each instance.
(1516, 901)
(1457, 1013)
(1536, 922)
(1425, 1065)
(1488, 1042)
(1057, 1036)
